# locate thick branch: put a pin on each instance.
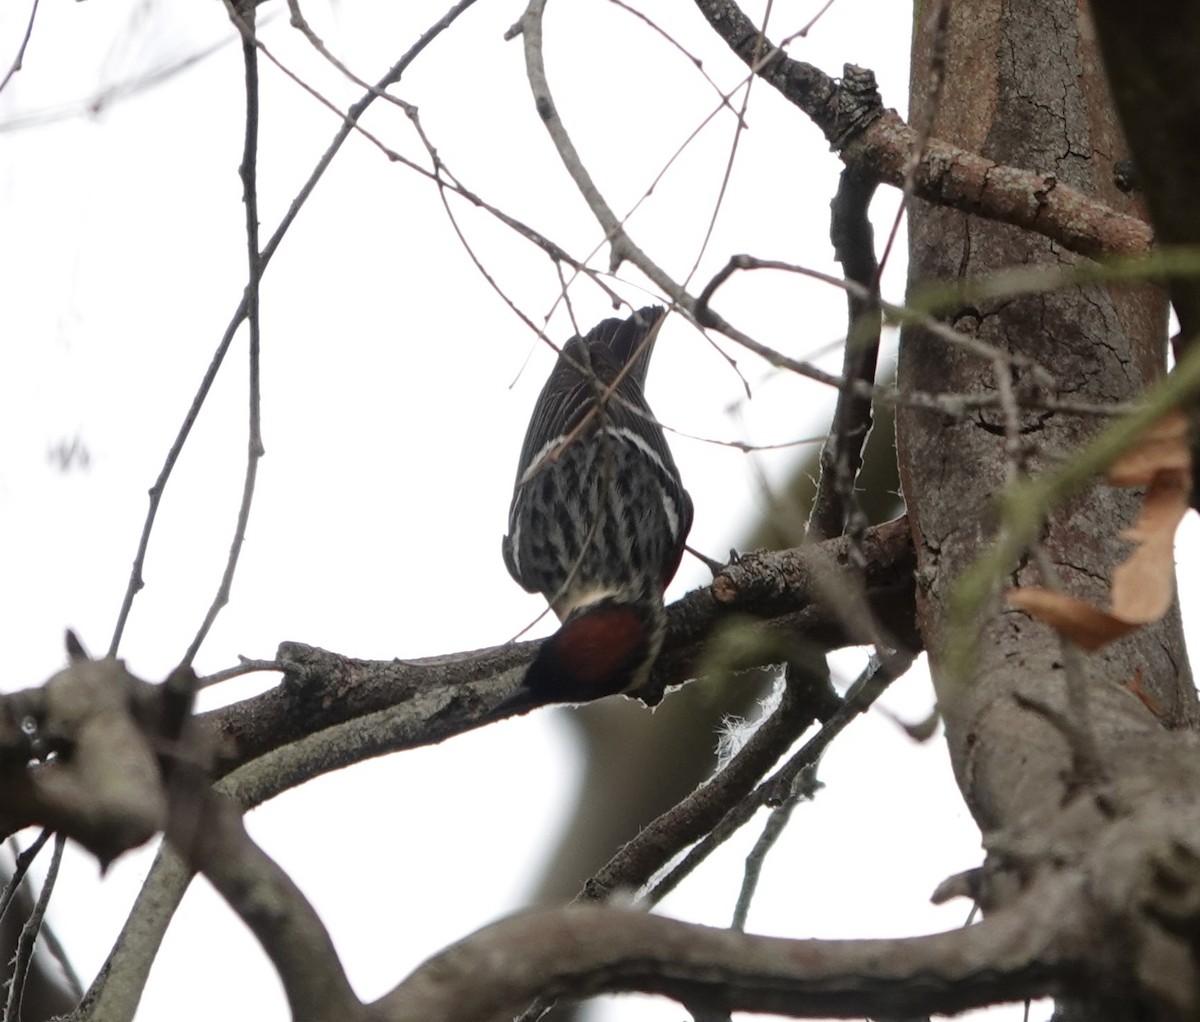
(841, 457)
(578, 951)
(425, 701)
(877, 142)
(216, 844)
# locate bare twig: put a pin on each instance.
(245, 666)
(945, 404)
(136, 581)
(29, 935)
(772, 830)
(244, 19)
(779, 788)
(21, 864)
(441, 176)
(657, 843)
(733, 149)
(531, 33)
(18, 60)
(695, 61)
(899, 315)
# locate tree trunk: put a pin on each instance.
(1023, 86)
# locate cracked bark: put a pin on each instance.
(1023, 88)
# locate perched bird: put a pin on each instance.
(599, 515)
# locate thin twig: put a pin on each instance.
(19, 59)
(695, 61)
(899, 315)
(441, 175)
(804, 700)
(772, 830)
(530, 28)
(299, 22)
(22, 862)
(136, 581)
(245, 666)
(944, 404)
(739, 129)
(776, 789)
(244, 19)
(29, 934)
(483, 271)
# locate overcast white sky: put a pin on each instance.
(392, 430)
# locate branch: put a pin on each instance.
(387, 705)
(778, 788)
(120, 741)
(117, 988)
(581, 951)
(111, 792)
(877, 142)
(243, 17)
(949, 404)
(23, 960)
(859, 108)
(216, 844)
(19, 60)
(689, 820)
(530, 27)
(841, 457)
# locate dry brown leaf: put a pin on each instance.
(1088, 627)
(1143, 584)
(1163, 447)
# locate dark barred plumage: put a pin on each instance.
(599, 515)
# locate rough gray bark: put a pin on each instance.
(1024, 87)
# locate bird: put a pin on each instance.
(599, 515)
